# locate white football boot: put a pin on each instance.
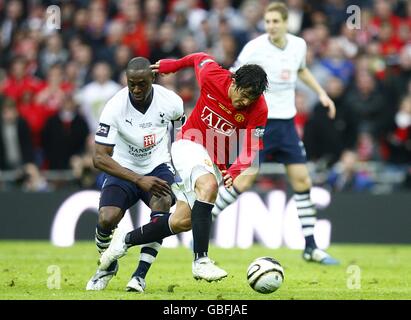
(319, 256)
(204, 268)
(136, 284)
(115, 251)
(101, 278)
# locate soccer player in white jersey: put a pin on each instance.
(282, 55)
(230, 107)
(132, 149)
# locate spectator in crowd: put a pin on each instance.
(320, 72)
(32, 180)
(53, 53)
(225, 50)
(16, 148)
(398, 79)
(166, 46)
(383, 14)
(390, 44)
(93, 96)
(179, 18)
(83, 56)
(78, 27)
(223, 9)
(28, 48)
(122, 56)
(113, 40)
(86, 175)
(373, 61)
(398, 139)
(303, 113)
(18, 82)
(346, 176)
(252, 11)
(298, 16)
(317, 38)
(196, 14)
(370, 108)
(11, 22)
(336, 63)
(153, 12)
(135, 36)
(64, 135)
(325, 139)
(53, 92)
(337, 11)
(72, 74)
(347, 41)
(94, 31)
(186, 81)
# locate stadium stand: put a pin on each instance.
(366, 70)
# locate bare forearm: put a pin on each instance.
(106, 164)
(307, 77)
(243, 162)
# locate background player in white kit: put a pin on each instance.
(132, 149)
(282, 55)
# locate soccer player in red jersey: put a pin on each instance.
(231, 106)
(227, 103)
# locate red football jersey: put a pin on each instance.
(214, 122)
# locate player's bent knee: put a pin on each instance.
(180, 220)
(207, 188)
(182, 225)
(162, 204)
(109, 217)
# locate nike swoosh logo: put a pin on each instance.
(210, 97)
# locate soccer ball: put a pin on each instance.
(265, 275)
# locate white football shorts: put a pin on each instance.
(190, 160)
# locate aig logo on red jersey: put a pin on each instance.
(217, 122)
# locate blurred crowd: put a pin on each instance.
(55, 82)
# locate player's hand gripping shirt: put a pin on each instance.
(214, 122)
(140, 140)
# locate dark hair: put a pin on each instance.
(252, 78)
(138, 63)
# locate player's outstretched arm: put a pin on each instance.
(165, 66)
(307, 77)
(102, 160)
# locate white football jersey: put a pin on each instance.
(141, 141)
(281, 66)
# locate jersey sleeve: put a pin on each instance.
(253, 140)
(107, 129)
(178, 110)
(202, 63)
(177, 116)
(205, 69)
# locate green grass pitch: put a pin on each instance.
(35, 270)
